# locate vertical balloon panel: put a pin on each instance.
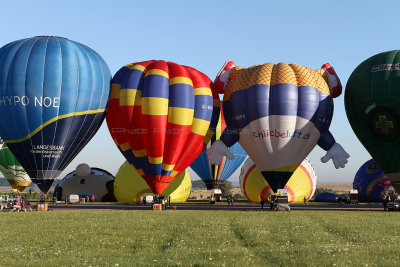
(53, 93)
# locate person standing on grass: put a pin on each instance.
(262, 203)
(87, 199)
(92, 198)
(232, 200)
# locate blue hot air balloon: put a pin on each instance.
(212, 174)
(53, 96)
(371, 182)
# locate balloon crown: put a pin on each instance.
(40, 36)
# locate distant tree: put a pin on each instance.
(226, 188)
(198, 184)
(239, 196)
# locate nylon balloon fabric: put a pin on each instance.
(129, 186)
(53, 96)
(371, 182)
(278, 113)
(211, 174)
(301, 185)
(158, 116)
(373, 109)
(12, 169)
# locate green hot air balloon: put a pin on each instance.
(12, 169)
(372, 101)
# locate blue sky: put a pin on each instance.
(204, 34)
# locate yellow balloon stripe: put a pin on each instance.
(16, 183)
(287, 168)
(174, 173)
(135, 67)
(115, 88)
(157, 160)
(181, 116)
(167, 167)
(154, 106)
(202, 91)
(157, 72)
(125, 146)
(200, 126)
(218, 130)
(140, 171)
(210, 133)
(53, 120)
(181, 80)
(140, 153)
(130, 97)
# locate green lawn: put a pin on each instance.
(186, 238)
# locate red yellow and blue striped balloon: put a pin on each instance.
(159, 114)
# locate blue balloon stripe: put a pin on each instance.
(203, 108)
(155, 86)
(283, 99)
(181, 96)
(70, 78)
(130, 79)
(235, 111)
(263, 100)
(258, 101)
(308, 102)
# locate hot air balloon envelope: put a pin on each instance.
(129, 186)
(53, 95)
(158, 115)
(213, 175)
(372, 101)
(371, 182)
(300, 187)
(12, 169)
(278, 113)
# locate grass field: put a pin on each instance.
(197, 238)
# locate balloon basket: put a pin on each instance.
(42, 207)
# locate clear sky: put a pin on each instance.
(204, 34)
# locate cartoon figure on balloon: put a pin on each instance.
(278, 114)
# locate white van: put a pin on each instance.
(73, 199)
